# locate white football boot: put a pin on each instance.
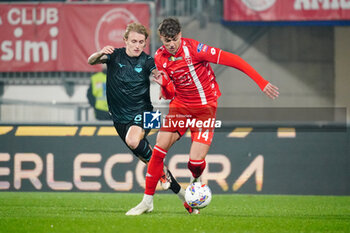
(145, 206)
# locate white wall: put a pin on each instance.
(52, 104)
(52, 93)
(56, 105)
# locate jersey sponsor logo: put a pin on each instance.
(152, 120)
(179, 71)
(184, 80)
(199, 47)
(212, 51)
(172, 58)
(164, 65)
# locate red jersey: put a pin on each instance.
(190, 71)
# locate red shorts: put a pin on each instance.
(199, 119)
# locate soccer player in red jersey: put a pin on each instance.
(187, 78)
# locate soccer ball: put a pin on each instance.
(198, 195)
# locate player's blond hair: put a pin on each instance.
(136, 27)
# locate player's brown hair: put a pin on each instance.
(136, 27)
(169, 27)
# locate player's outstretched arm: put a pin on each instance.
(237, 62)
(100, 56)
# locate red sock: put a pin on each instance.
(154, 170)
(196, 167)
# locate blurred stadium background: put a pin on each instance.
(307, 57)
(297, 144)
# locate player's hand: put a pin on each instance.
(158, 78)
(107, 50)
(161, 78)
(271, 91)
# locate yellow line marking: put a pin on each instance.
(188, 133)
(87, 131)
(5, 129)
(46, 130)
(107, 131)
(153, 131)
(240, 132)
(286, 133)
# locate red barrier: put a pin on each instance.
(286, 10)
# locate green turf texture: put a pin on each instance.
(105, 212)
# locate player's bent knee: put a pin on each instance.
(132, 142)
(166, 139)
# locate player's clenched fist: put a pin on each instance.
(100, 56)
(161, 78)
(107, 49)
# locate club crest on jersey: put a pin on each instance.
(188, 59)
(138, 68)
(172, 58)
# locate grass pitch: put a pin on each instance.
(105, 212)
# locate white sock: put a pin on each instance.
(181, 195)
(148, 199)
